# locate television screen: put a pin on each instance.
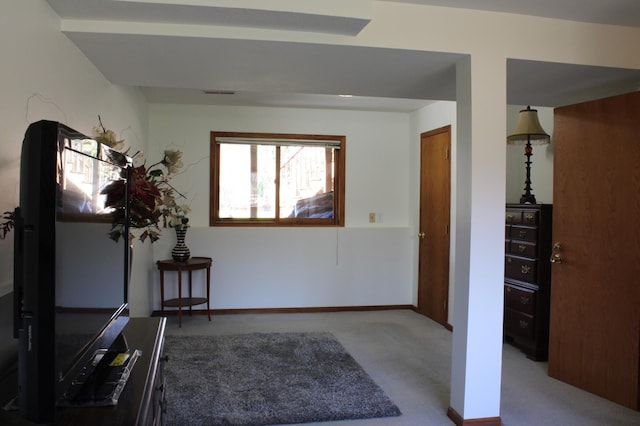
(89, 265)
(70, 277)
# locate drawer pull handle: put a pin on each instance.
(525, 269)
(521, 248)
(529, 217)
(523, 232)
(524, 300)
(510, 217)
(509, 260)
(524, 324)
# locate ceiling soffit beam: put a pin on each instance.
(351, 8)
(332, 17)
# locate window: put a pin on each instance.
(277, 179)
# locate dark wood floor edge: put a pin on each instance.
(298, 310)
(459, 421)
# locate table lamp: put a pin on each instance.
(528, 131)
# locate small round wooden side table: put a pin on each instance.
(190, 265)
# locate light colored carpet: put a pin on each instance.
(409, 357)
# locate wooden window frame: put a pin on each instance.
(338, 184)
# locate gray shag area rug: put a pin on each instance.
(265, 379)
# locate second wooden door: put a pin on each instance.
(435, 200)
(594, 340)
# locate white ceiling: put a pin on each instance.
(612, 12)
(173, 67)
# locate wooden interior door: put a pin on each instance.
(595, 294)
(435, 207)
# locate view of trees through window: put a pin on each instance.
(277, 179)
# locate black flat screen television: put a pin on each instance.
(70, 278)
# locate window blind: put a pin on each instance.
(326, 143)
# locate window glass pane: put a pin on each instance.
(264, 179)
(247, 181)
(306, 182)
(265, 186)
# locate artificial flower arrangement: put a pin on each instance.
(152, 199)
(7, 225)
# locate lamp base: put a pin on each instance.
(528, 199)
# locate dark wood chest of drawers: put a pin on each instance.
(527, 278)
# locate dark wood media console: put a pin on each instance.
(142, 402)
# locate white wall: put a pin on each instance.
(360, 264)
(371, 137)
(45, 76)
(376, 144)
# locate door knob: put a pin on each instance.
(421, 235)
(555, 253)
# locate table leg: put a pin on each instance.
(190, 295)
(208, 292)
(180, 298)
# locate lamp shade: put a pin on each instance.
(528, 129)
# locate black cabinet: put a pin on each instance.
(142, 401)
(527, 281)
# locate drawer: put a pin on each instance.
(519, 324)
(524, 233)
(522, 248)
(520, 268)
(530, 217)
(520, 299)
(513, 216)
